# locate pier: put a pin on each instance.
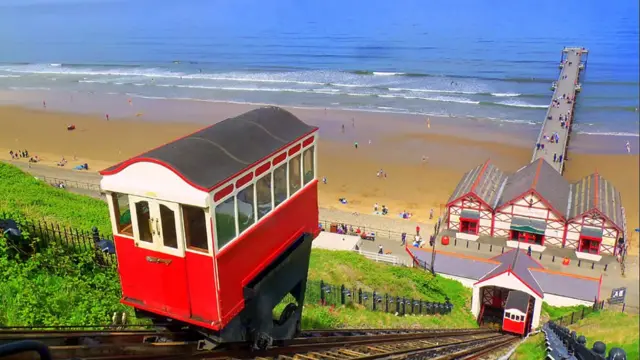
(571, 63)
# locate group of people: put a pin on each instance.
(18, 154)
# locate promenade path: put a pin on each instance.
(567, 85)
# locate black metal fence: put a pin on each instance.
(33, 236)
(563, 343)
(336, 295)
(65, 183)
(575, 316)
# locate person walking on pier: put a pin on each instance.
(555, 157)
(560, 159)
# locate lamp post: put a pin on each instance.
(436, 229)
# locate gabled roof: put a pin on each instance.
(541, 177)
(518, 263)
(454, 264)
(220, 151)
(485, 181)
(594, 192)
(568, 285)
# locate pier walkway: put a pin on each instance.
(567, 85)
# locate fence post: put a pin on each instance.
(413, 306)
(582, 317)
(404, 303)
(553, 258)
(623, 306)
(540, 258)
(322, 297)
(455, 241)
(374, 300)
(360, 296)
(490, 247)
(386, 302)
(342, 294)
(572, 317)
(503, 250)
(605, 267)
(478, 246)
(579, 262)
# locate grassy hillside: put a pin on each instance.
(56, 288)
(343, 267)
(614, 328)
(23, 196)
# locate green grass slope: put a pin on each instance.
(24, 196)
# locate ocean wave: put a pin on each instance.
(9, 76)
(29, 88)
(627, 134)
(516, 104)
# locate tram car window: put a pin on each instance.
(214, 229)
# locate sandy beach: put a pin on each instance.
(412, 184)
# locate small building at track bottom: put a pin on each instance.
(212, 230)
(537, 206)
(492, 280)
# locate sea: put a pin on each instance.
(457, 58)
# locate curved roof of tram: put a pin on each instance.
(221, 151)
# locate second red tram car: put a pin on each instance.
(516, 313)
(214, 229)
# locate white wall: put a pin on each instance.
(557, 300)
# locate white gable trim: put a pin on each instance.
(154, 181)
(509, 281)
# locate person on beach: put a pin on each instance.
(353, 122)
(418, 230)
(375, 208)
(355, 144)
(404, 238)
(430, 214)
(628, 146)
(343, 128)
(380, 250)
(106, 116)
(44, 104)
(428, 123)
(324, 180)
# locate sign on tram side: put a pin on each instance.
(617, 295)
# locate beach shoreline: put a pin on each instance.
(520, 133)
(412, 185)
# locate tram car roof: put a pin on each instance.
(218, 152)
(517, 300)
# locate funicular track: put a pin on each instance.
(128, 344)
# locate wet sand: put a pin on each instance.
(411, 184)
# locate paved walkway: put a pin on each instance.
(566, 85)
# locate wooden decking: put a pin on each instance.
(568, 84)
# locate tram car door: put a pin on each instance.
(515, 313)
(158, 256)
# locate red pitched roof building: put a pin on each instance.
(537, 206)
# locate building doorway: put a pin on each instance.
(590, 245)
(469, 226)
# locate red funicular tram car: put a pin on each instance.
(516, 313)
(214, 229)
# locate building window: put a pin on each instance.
(225, 221)
(294, 174)
(122, 214)
(535, 239)
(144, 221)
(246, 209)
(263, 196)
(280, 184)
(195, 228)
(469, 226)
(308, 163)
